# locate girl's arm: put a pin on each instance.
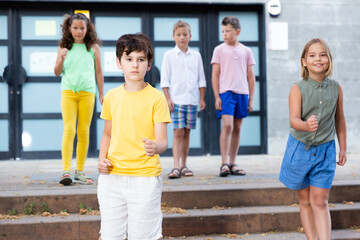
(104, 163)
(98, 72)
(251, 82)
(215, 84)
(161, 142)
(61, 54)
(340, 127)
(311, 124)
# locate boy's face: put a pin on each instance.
(230, 34)
(182, 37)
(134, 66)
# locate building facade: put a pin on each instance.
(30, 115)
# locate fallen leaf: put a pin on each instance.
(331, 205)
(294, 205)
(46, 214)
(348, 202)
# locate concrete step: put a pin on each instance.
(251, 219)
(339, 234)
(187, 197)
(238, 220)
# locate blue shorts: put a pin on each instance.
(184, 116)
(234, 104)
(315, 167)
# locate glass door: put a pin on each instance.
(5, 88)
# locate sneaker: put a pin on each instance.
(66, 178)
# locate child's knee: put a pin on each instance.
(227, 128)
(179, 132)
(319, 201)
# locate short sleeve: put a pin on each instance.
(161, 112)
(250, 58)
(216, 56)
(105, 112)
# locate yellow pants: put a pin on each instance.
(76, 106)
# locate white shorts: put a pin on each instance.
(130, 207)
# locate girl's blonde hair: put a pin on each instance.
(304, 70)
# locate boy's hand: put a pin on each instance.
(202, 105)
(150, 147)
(218, 103)
(103, 165)
(251, 105)
(342, 158)
(312, 124)
(170, 104)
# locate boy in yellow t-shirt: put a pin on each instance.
(135, 133)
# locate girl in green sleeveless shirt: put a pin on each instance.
(316, 113)
(79, 62)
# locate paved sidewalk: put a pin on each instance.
(44, 174)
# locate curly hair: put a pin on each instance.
(67, 39)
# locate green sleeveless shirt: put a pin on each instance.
(79, 70)
(318, 99)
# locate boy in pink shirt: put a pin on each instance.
(233, 82)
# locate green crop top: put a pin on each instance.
(79, 70)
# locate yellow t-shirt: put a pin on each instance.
(133, 116)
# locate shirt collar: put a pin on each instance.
(177, 50)
(316, 84)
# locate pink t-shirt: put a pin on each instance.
(233, 61)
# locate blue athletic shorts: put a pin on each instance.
(184, 116)
(315, 167)
(234, 104)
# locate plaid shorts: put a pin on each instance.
(184, 116)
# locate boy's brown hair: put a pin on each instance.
(137, 42)
(304, 70)
(180, 24)
(233, 21)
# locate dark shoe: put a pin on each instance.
(66, 178)
(186, 172)
(223, 172)
(238, 172)
(175, 173)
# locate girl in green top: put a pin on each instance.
(316, 113)
(79, 62)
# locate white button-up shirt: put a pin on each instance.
(183, 73)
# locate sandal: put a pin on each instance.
(81, 177)
(66, 178)
(238, 172)
(186, 172)
(175, 173)
(223, 172)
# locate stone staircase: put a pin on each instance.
(254, 211)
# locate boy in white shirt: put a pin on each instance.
(183, 82)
